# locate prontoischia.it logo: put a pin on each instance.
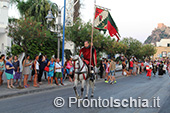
(105, 103)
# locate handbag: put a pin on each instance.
(46, 69)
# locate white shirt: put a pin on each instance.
(164, 68)
(58, 65)
(37, 65)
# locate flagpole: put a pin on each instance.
(92, 33)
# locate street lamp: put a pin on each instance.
(49, 18)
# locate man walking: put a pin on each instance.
(112, 69)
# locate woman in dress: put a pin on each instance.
(26, 70)
(9, 72)
(2, 67)
(51, 65)
(160, 69)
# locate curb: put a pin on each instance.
(44, 89)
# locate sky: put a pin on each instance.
(134, 18)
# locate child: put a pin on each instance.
(149, 70)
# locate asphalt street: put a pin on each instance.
(126, 87)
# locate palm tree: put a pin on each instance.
(39, 9)
(36, 8)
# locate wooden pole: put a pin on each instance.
(92, 33)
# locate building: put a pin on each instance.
(163, 49)
(70, 46)
(163, 43)
(5, 41)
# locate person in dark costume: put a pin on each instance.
(161, 69)
(154, 68)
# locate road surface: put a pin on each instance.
(126, 87)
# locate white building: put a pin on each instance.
(163, 43)
(70, 45)
(5, 41)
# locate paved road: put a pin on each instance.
(125, 88)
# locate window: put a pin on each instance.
(168, 45)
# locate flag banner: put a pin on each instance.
(100, 21)
(104, 21)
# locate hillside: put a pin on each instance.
(161, 32)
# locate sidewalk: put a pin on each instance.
(5, 92)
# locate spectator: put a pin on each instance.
(26, 70)
(46, 62)
(164, 67)
(70, 69)
(58, 73)
(112, 68)
(51, 65)
(17, 69)
(107, 70)
(169, 70)
(41, 66)
(123, 67)
(36, 70)
(9, 72)
(134, 68)
(142, 66)
(101, 69)
(130, 66)
(104, 71)
(2, 67)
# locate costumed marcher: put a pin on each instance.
(149, 70)
(154, 65)
(161, 69)
(85, 54)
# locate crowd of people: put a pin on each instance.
(37, 68)
(107, 70)
(10, 66)
(133, 67)
(157, 67)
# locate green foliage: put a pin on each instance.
(14, 50)
(36, 8)
(81, 32)
(148, 50)
(28, 36)
(133, 47)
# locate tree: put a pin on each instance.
(148, 50)
(133, 47)
(76, 10)
(81, 32)
(28, 32)
(117, 48)
(37, 8)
